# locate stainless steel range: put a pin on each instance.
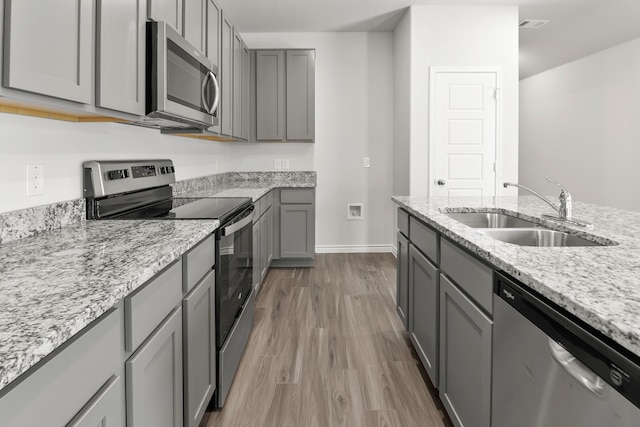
(141, 190)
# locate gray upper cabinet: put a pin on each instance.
(120, 67)
(246, 98)
(169, 11)
(284, 95)
(49, 49)
(270, 95)
(301, 95)
(226, 77)
(423, 310)
(194, 21)
(214, 43)
(238, 48)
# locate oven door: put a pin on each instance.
(181, 83)
(234, 269)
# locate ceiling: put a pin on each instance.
(577, 27)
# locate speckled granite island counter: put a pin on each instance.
(598, 284)
(54, 284)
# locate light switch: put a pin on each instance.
(277, 164)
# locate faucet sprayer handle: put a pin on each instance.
(563, 190)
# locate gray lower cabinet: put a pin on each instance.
(199, 349)
(49, 48)
(154, 377)
(257, 278)
(465, 358)
(284, 95)
(105, 409)
(424, 300)
(269, 237)
(79, 382)
(297, 223)
(262, 238)
(402, 284)
(169, 11)
(120, 59)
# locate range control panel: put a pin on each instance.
(105, 177)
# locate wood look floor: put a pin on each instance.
(328, 349)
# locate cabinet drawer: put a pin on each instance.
(106, 408)
(424, 238)
(403, 222)
(296, 195)
(198, 261)
(471, 275)
(268, 200)
(53, 392)
(145, 309)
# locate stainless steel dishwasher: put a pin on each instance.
(551, 369)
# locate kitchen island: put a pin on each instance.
(598, 284)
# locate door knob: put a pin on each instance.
(441, 182)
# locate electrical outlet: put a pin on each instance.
(285, 163)
(277, 164)
(366, 162)
(355, 211)
(35, 180)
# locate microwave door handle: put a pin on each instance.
(216, 99)
(204, 91)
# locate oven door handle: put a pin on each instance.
(238, 225)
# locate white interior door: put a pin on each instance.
(464, 137)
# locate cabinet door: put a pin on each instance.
(270, 95)
(214, 41)
(169, 11)
(269, 235)
(121, 56)
(199, 349)
(256, 255)
(301, 94)
(402, 284)
(49, 48)
(465, 358)
(423, 310)
(237, 84)
(245, 91)
(226, 77)
(154, 377)
(263, 246)
(297, 225)
(194, 23)
(105, 409)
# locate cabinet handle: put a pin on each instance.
(216, 99)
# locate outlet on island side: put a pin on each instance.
(35, 180)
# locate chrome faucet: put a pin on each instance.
(563, 208)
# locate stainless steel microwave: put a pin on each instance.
(182, 89)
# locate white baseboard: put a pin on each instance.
(346, 249)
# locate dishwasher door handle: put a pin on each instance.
(577, 370)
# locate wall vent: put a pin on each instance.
(533, 23)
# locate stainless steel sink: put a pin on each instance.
(490, 220)
(538, 237)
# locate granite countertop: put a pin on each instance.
(55, 281)
(598, 284)
(54, 284)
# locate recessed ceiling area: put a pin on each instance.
(577, 27)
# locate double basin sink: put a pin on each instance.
(518, 231)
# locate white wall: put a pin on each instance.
(354, 119)
(580, 124)
(456, 36)
(62, 147)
